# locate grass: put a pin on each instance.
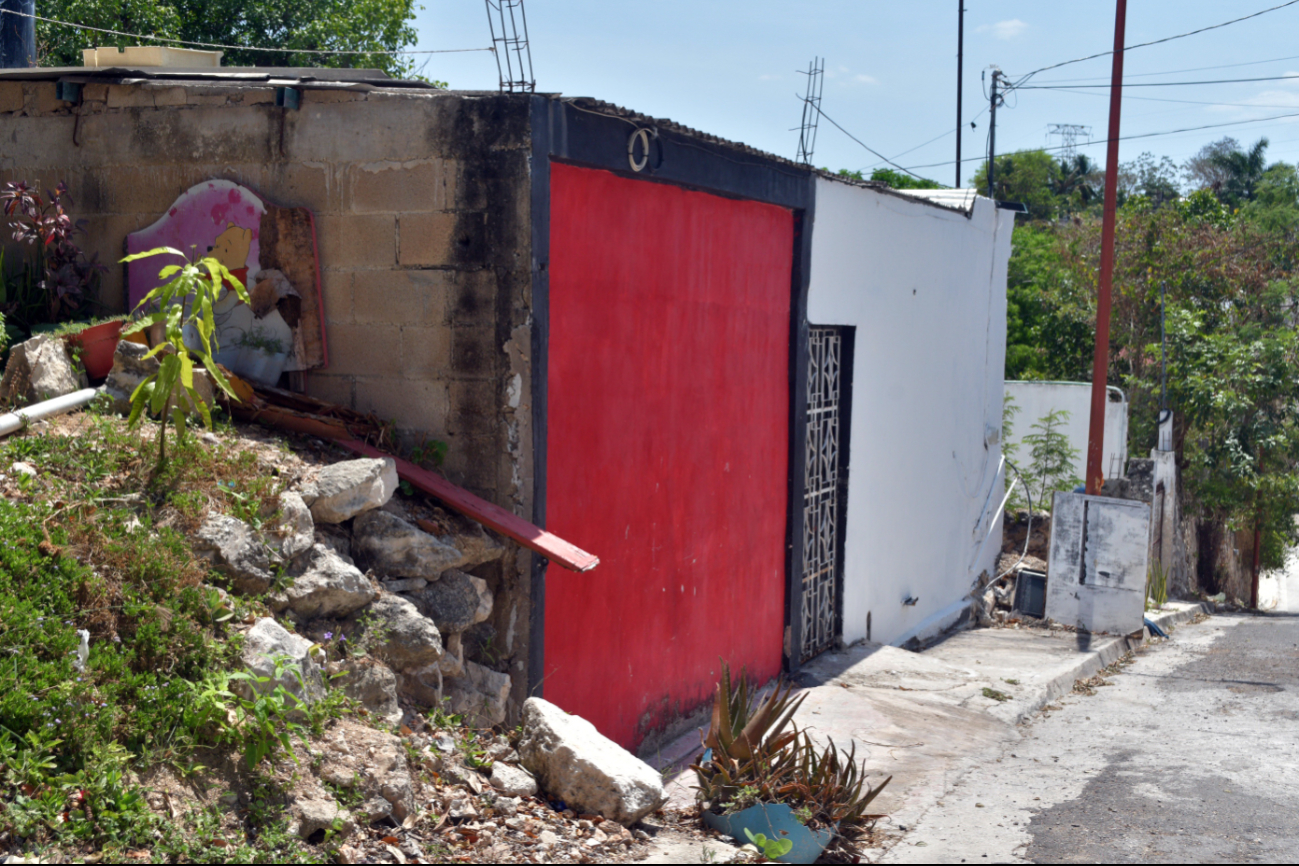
(96, 542)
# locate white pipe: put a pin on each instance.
(1009, 490)
(15, 421)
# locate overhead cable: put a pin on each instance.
(873, 150)
(1290, 77)
(239, 47)
(1160, 41)
(1127, 137)
(1127, 75)
(1179, 101)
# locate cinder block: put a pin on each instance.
(400, 297)
(295, 184)
(426, 352)
(339, 390)
(11, 96)
(474, 351)
(336, 295)
(477, 399)
(129, 96)
(168, 97)
(411, 404)
(356, 241)
(94, 92)
(311, 96)
(470, 462)
(426, 239)
(415, 126)
(132, 189)
(41, 98)
(401, 187)
(474, 298)
(254, 96)
(365, 350)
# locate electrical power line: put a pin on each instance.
(1159, 41)
(1122, 138)
(1291, 77)
(1127, 75)
(1179, 101)
(237, 47)
(876, 152)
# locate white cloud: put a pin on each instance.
(866, 79)
(1004, 29)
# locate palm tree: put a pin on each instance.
(1077, 181)
(1242, 170)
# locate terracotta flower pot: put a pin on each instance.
(98, 343)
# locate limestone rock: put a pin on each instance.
(391, 547)
(410, 584)
(38, 369)
(455, 602)
(326, 586)
(236, 551)
(131, 367)
(574, 762)
(481, 696)
(423, 686)
(513, 782)
(335, 536)
(347, 489)
(313, 816)
(410, 639)
(453, 656)
(373, 684)
(295, 526)
(265, 645)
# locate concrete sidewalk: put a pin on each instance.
(926, 718)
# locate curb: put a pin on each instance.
(1101, 657)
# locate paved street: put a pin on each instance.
(1190, 755)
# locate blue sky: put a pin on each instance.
(729, 68)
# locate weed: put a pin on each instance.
(995, 695)
(1011, 682)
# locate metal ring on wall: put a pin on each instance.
(643, 136)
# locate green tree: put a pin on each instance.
(1052, 456)
(1275, 205)
(1050, 309)
(901, 180)
(1079, 183)
(1154, 178)
(1028, 177)
(1242, 170)
(296, 26)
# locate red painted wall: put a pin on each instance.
(668, 444)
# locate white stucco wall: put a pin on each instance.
(926, 290)
(1036, 399)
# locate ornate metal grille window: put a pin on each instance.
(824, 487)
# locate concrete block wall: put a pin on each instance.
(422, 210)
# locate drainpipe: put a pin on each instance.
(17, 34)
(15, 421)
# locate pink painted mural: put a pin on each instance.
(272, 250)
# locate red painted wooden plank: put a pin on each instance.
(510, 525)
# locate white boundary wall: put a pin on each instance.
(926, 289)
(1036, 399)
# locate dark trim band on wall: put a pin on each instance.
(564, 132)
(540, 207)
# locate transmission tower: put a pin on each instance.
(811, 110)
(1069, 134)
(509, 26)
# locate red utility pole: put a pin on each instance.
(1101, 363)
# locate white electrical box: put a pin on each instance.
(1100, 554)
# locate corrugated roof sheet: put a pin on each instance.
(958, 199)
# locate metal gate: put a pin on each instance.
(825, 487)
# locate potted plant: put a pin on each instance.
(261, 356)
(764, 782)
(96, 341)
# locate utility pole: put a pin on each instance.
(1101, 361)
(17, 34)
(960, 69)
(992, 136)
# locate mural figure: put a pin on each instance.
(283, 328)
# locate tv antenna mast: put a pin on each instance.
(1069, 134)
(509, 25)
(811, 109)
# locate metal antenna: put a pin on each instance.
(811, 109)
(1069, 134)
(510, 45)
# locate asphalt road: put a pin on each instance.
(1191, 754)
